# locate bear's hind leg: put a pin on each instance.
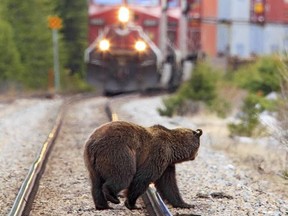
(110, 194)
(111, 188)
(97, 193)
(137, 187)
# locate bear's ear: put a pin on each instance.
(198, 132)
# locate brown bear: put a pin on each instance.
(121, 155)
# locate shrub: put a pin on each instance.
(262, 76)
(10, 65)
(249, 118)
(202, 87)
(72, 83)
(220, 106)
(283, 114)
(259, 79)
(170, 105)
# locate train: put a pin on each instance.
(139, 45)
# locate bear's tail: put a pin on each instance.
(199, 132)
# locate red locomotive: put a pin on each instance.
(137, 45)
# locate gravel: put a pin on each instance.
(24, 126)
(215, 183)
(244, 191)
(65, 186)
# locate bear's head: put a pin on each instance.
(188, 143)
(195, 143)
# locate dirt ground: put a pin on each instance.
(268, 161)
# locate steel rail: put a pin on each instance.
(24, 200)
(153, 201)
(27, 192)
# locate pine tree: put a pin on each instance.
(10, 66)
(33, 39)
(74, 15)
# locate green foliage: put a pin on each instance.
(32, 38)
(170, 105)
(220, 106)
(202, 87)
(10, 66)
(249, 120)
(261, 76)
(282, 107)
(260, 79)
(72, 83)
(74, 15)
(285, 174)
(26, 50)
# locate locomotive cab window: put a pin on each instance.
(173, 3)
(144, 2)
(107, 2)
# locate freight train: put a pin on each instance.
(138, 45)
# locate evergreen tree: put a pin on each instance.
(33, 39)
(74, 15)
(10, 66)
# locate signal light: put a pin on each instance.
(54, 22)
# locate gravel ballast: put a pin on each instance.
(24, 127)
(215, 183)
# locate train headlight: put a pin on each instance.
(123, 14)
(104, 45)
(140, 46)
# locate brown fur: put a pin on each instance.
(122, 155)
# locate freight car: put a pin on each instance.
(136, 45)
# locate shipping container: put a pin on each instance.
(209, 27)
(233, 29)
(234, 10)
(208, 39)
(223, 40)
(240, 40)
(256, 39)
(275, 38)
(256, 27)
(224, 9)
(276, 11)
(285, 39)
(209, 9)
(240, 10)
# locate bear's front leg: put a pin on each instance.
(167, 187)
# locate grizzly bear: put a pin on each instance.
(121, 155)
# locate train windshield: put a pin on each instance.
(144, 2)
(107, 2)
(172, 3)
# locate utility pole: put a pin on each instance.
(55, 23)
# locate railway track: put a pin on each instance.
(64, 187)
